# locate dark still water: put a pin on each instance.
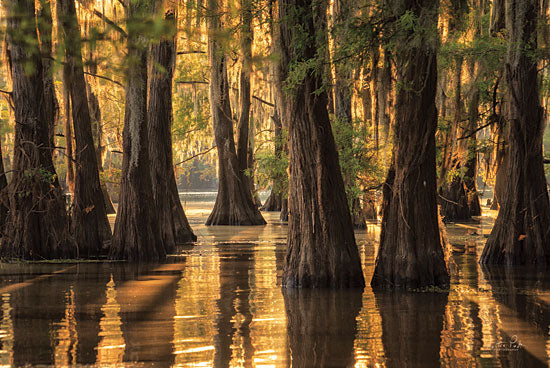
(220, 304)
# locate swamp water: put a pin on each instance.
(219, 304)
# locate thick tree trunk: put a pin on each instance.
(97, 127)
(521, 234)
(410, 253)
(161, 73)
(234, 204)
(90, 225)
(51, 107)
(321, 326)
(136, 235)
(37, 225)
(321, 243)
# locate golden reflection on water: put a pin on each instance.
(6, 332)
(220, 304)
(67, 337)
(110, 349)
(195, 305)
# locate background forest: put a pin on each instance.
(93, 50)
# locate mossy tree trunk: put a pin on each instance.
(90, 225)
(321, 244)
(173, 223)
(410, 253)
(37, 226)
(234, 203)
(136, 235)
(521, 234)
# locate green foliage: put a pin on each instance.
(357, 155)
(272, 168)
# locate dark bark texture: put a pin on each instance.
(321, 244)
(521, 234)
(173, 223)
(90, 225)
(136, 235)
(410, 253)
(37, 226)
(234, 203)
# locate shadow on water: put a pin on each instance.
(321, 326)
(411, 327)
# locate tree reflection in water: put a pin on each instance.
(321, 326)
(411, 327)
(232, 341)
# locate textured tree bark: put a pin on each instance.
(321, 326)
(173, 223)
(136, 235)
(521, 234)
(51, 107)
(410, 253)
(234, 204)
(321, 243)
(37, 226)
(90, 225)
